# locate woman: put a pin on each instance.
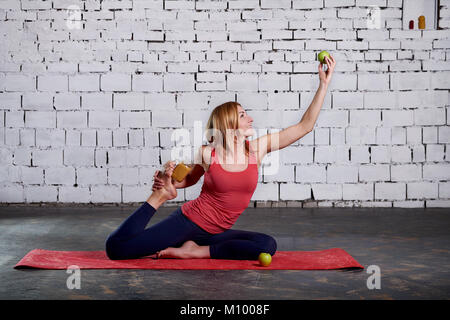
(201, 228)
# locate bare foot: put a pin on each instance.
(168, 190)
(188, 250)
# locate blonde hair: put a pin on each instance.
(224, 117)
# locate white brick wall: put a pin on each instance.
(86, 115)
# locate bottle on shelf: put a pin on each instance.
(422, 22)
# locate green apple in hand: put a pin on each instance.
(322, 56)
(265, 259)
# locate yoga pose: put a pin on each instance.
(201, 228)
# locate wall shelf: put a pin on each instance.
(412, 9)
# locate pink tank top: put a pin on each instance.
(224, 196)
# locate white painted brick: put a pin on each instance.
(50, 138)
(373, 82)
(414, 135)
(383, 135)
(73, 138)
(440, 80)
(358, 191)
(444, 134)
(331, 154)
(436, 171)
(250, 100)
(422, 190)
(380, 154)
(321, 136)
(89, 138)
(36, 194)
(273, 82)
(410, 81)
(285, 100)
(341, 174)
(115, 82)
(393, 118)
(296, 155)
(84, 82)
(390, 191)
(120, 137)
(139, 119)
(10, 100)
(329, 118)
(128, 101)
(68, 119)
(22, 156)
(284, 173)
(360, 135)
(418, 154)
(37, 101)
(438, 203)
(266, 192)
(12, 194)
(429, 134)
(444, 190)
(359, 154)
(32, 175)
(12, 137)
(429, 116)
(311, 173)
(365, 117)
(81, 156)
(166, 119)
(327, 191)
(242, 82)
(102, 119)
(147, 83)
(398, 135)
(189, 118)
(348, 100)
(60, 176)
(40, 119)
(294, 191)
(408, 204)
(97, 101)
(434, 152)
(125, 176)
(52, 83)
(379, 172)
(106, 194)
(407, 172)
(400, 154)
(178, 82)
(74, 195)
(381, 100)
(17, 82)
(14, 119)
(63, 101)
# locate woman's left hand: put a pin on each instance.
(325, 77)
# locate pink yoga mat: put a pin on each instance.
(282, 260)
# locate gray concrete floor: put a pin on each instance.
(411, 247)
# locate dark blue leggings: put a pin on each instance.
(131, 240)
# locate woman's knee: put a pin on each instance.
(112, 249)
(269, 244)
(272, 245)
